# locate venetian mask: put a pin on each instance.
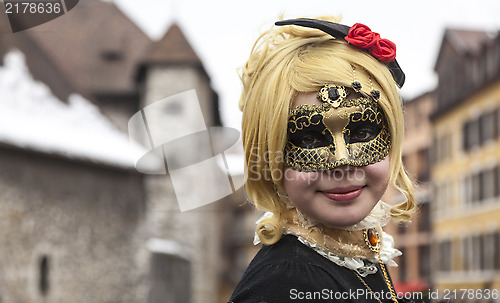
(348, 128)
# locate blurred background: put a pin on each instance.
(78, 222)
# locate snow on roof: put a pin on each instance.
(32, 117)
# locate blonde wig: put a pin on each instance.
(289, 60)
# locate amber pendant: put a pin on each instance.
(372, 239)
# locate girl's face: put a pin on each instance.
(343, 195)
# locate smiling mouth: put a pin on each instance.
(344, 194)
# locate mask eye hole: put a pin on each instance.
(364, 132)
(309, 139)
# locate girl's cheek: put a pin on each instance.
(378, 171)
(295, 178)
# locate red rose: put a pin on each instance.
(384, 50)
(362, 36)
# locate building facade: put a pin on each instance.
(413, 273)
(466, 166)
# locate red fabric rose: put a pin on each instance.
(362, 36)
(384, 50)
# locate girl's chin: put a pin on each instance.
(341, 223)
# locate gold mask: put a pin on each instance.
(338, 132)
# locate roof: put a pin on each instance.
(468, 41)
(94, 47)
(33, 119)
(460, 51)
(465, 42)
(173, 48)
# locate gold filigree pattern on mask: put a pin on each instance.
(324, 137)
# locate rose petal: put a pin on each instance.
(361, 35)
(384, 50)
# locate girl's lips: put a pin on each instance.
(344, 194)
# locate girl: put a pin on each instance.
(322, 132)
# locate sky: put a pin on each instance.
(222, 32)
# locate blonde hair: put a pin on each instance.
(284, 62)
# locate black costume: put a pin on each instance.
(289, 271)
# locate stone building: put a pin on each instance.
(79, 222)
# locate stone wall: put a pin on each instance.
(68, 230)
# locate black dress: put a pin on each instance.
(289, 271)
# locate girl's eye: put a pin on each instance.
(308, 140)
(364, 134)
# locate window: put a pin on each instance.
(477, 253)
(488, 244)
(424, 222)
(483, 72)
(467, 254)
(466, 190)
(466, 136)
(470, 134)
(488, 184)
(496, 251)
(497, 181)
(445, 255)
(482, 130)
(170, 279)
(443, 147)
(487, 127)
(402, 265)
(480, 184)
(424, 265)
(44, 270)
(443, 193)
(483, 252)
(446, 146)
(446, 196)
(497, 122)
(423, 170)
(475, 188)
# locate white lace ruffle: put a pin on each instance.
(362, 267)
(378, 217)
(387, 251)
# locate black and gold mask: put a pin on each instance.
(339, 132)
